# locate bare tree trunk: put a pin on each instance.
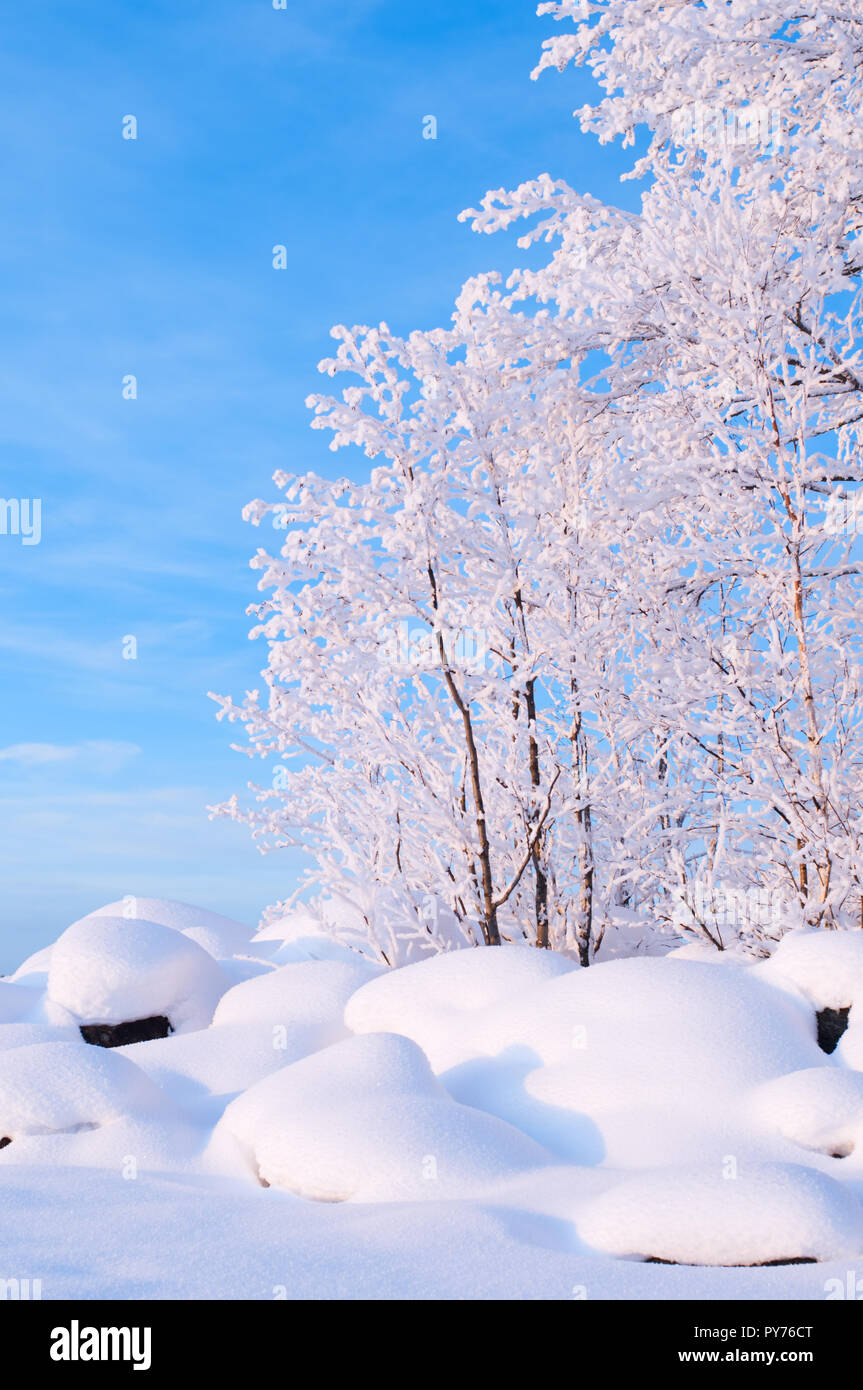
(585, 860)
(489, 922)
(584, 929)
(813, 737)
(539, 873)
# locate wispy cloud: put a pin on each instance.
(101, 755)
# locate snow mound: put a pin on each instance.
(301, 936)
(220, 936)
(367, 1120)
(820, 1108)
(635, 1062)
(435, 1001)
(55, 1087)
(825, 966)
(770, 1212)
(34, 970)
(300, 1006)
(701, 951)
(683, 1017)
(216, 1061)
(297, 923)
(585, 1114)
(116, 969)
(24, 1034)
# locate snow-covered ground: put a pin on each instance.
(491, 1122)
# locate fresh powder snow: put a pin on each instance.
(487, 1121)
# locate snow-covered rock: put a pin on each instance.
(113, 970)
(677, 1018)
(66, 1086)
(437, 1001)
(820, 1108)
(825, 966)
(299, 1063)
(701, 1216)
(219, 936)
(366, 1120)
(636, 1062)
(305, 1001)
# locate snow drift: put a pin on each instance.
(669, 1110)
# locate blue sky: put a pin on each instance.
(153, 257)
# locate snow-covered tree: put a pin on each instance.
(442, 649)
(586, 641)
